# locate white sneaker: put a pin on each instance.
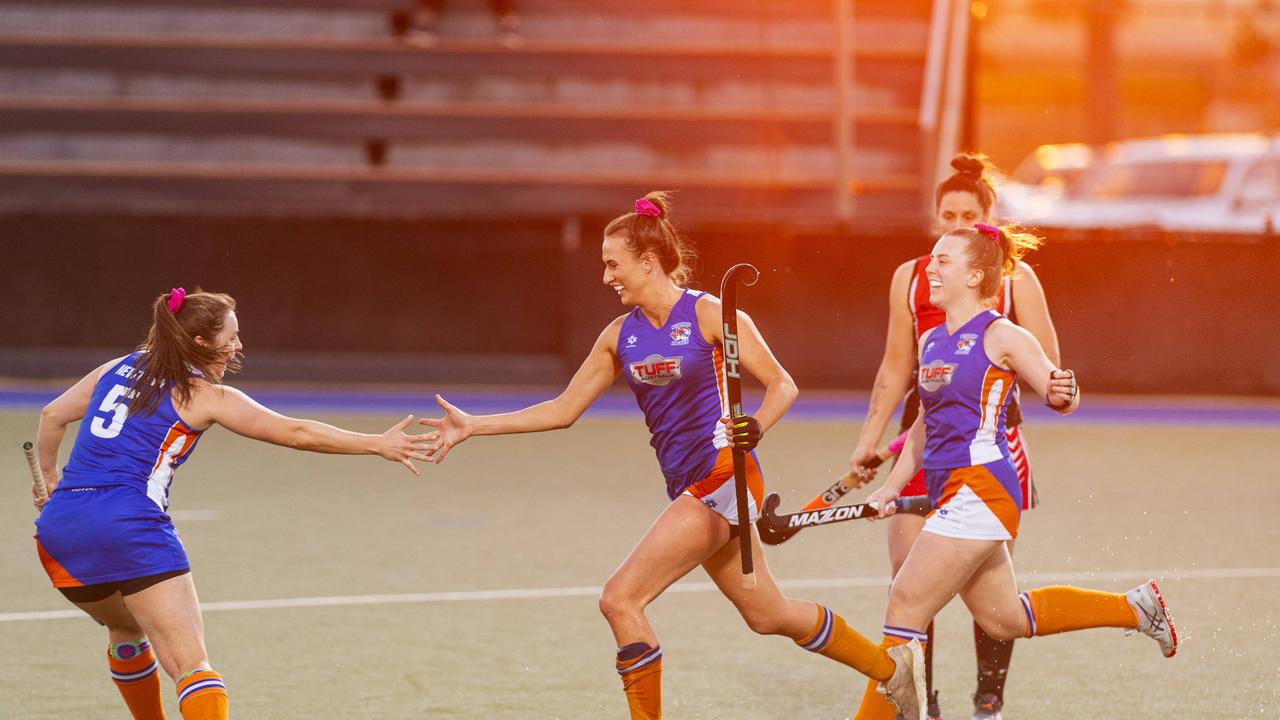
(1154, 619)
(905, 690)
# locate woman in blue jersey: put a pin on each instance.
(103, 534)
(968, 368)
(668, 347)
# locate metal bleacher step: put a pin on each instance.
(353, 190)
(318, 106)
(360, 119)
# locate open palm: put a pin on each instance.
(450, 430)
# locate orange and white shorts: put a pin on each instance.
(719, 492)
(979, 502)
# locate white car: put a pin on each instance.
(1226, 183)
(1043, 179)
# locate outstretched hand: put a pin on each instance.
(450, 430)
(399, 446)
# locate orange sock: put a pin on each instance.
(875, 706)
(133, 669)
(202, 696)
(832, 637)
(1062, 609)
(641, 669)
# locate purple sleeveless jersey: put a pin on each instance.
(678, 381)
(964, 397)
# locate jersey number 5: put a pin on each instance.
(113, 405)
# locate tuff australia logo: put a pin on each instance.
(656, 370)
(680, 333)
(966, 343)
(936, 374)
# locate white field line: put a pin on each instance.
(684, 587)
(194, 515)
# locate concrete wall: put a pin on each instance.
(505, 302)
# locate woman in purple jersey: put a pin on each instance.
(668, 344)
(103, 535)
(968, 368)
(963, 199)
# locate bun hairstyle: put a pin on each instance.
(996, 252)
(972, 171)
(171, 355)
(648, 229)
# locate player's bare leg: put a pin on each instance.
(992, 597)
(813, 627)
(169, 612)
(994, 657)
(682, 537)
(904, 528)
(932, 574)
(132, 662)
(765, 609)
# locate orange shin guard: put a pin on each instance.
(832, 637)
(1063, 609)
(133, 669)
(202, 696)
(875, 706)
(640, 667)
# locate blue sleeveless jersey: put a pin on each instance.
(964, 397)
(116, 447)
(678, 380)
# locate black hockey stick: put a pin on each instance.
(747, 275)
(834, 492)
(772, 525)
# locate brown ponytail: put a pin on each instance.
(170, 353)
(996, 252)
(645, 233)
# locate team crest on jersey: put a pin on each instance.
(936, 374)
(966, 343)
(657, 370)
(680, 333)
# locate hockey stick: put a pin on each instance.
(773, 524)
(748, 275)
(837, 490)
(37, 477)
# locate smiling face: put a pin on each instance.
(959, 210)
(950, 276)
(623, 271)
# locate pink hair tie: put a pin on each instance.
(645, 206)
(990, 231)
(176, 296)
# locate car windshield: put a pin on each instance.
(1160, 179)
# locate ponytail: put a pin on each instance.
(171, 359)
(996, 252)
(648, 229)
